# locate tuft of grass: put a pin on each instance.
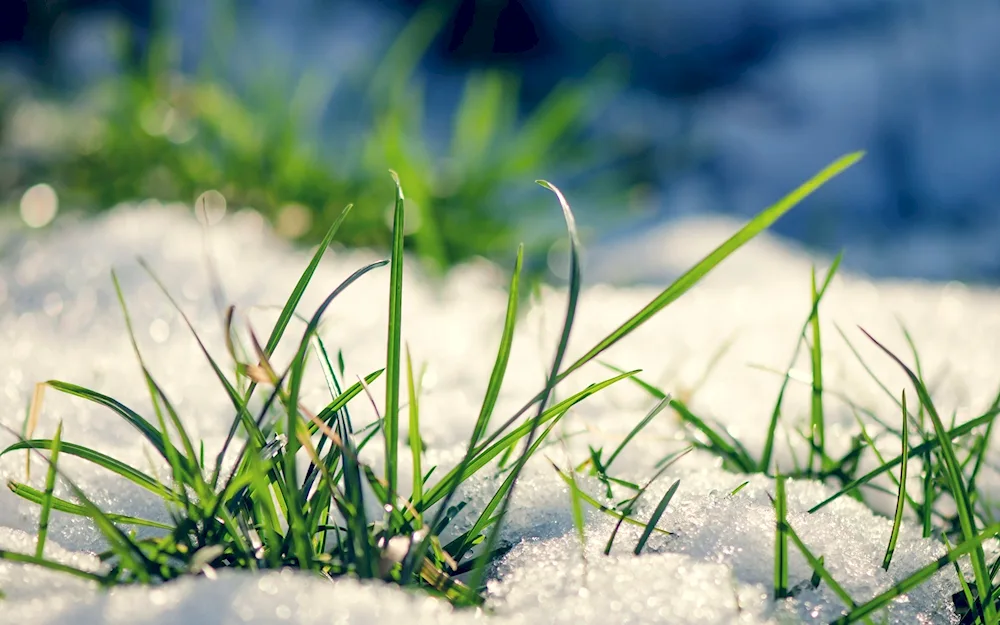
(251, 508)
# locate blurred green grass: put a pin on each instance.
(152, 131)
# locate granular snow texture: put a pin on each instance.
(59, 320)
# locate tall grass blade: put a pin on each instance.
(571, 304)
(50, 485)
(765, 458)
(901, 500)
(780, 539)
(956, 480)
(757, 225)
(392, 355)
(817, 420)
(416, 445)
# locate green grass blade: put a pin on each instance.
(901, 500)
(36, 496)
(300, 287)
(765, 458)
(450, 484)
(392, 355)
(757, 225)
(922, 449)
(50, 485)
(820, 571)
(243, 415)
(657, 409)
(956, 480)
(780, 539)
(918, 577)
(657, 513)
(732, 451)
(21, 558)
(817, 420)
(416, 445)
(552, 379)
(97, 458)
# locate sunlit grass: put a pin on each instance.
(248, 506)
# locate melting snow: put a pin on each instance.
(59, 319)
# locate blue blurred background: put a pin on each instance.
(643, 111)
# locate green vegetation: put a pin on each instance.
(253, 510)
(154, 131)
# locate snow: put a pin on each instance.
(59, 319)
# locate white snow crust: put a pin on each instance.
(59, 320)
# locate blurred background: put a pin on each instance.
(644, 112)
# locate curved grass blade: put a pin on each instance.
(901, 500)
(669, 462)
(956, 481)
(657, 513)
(605, 509)
(571, 304)
(243, 415)
(757, 225)
(97, 458)
(36, 496)
(52, 565)
(918, 577)
(657, 409)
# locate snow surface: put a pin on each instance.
(59, 319)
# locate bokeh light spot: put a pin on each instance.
(39, 205)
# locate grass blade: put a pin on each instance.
(901, 500)
(780, 539)
(956, 481)
(416, 445)
(657, 513)
(50, 485)
(765, 458)
(392, 355)
(757, 225)
(817, 421)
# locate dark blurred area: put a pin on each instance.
(642, 111)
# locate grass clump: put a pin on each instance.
(250, 507)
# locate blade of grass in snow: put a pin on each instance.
(683, 284)
(756, 225)
(657, 409)
(97, 458)
(50, 485)
(922, 449)
(765, 458)
(392, 355)
(918, 577)
(635, 500)
(552, 380)
(605, 509)
(780, 540)
(450, 484)
(416, 446)
(36, 496)
(821, 572)
(901, 500)
(817, 420)
(657, 513)
(956, 482)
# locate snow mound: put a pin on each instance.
(59, 320)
